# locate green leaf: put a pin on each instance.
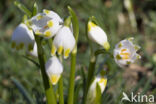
(83, 76)
(23, 91)
(23, 8)
(35, 9)
(77, 91)
(98, 94)
(75, 23)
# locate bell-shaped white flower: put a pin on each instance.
(54, 69)
(92, 92)
(64, 40)
(34, 52)
(22, 37)
(96, 34)
(45, 24)
(125, 52)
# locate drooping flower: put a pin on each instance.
(54, 69)
(22, 37)
(96, 34)
(45, 24)
(92, 93)
(64, 40)
(125, 52)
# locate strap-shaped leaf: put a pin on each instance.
(23, 91)
(77, 92)
(75, 23)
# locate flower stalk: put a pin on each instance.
(50, 96)
(61, 98)
(60, 86)
(73, 57)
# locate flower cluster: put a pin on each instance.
(47, 24)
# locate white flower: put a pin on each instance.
(96, 34)
(54, 69)
(34, 51)
(125, 52)
(128, 4)
(22, 37)
(64, 40)
(102, 82)
(45, 24)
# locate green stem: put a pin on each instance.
(73, 56)
(60, 86)
(91, 71)
(61, 99)
(50, 95)
(72, 78)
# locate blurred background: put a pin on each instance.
(20, 79)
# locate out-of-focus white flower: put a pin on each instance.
(22, 37)
(54, 69)
(96, 34)
(92, 93)
(34, 51)
(64, 40)
(45, 24)
(128, 4)
(125, 52)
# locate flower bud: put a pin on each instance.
(92, 93)
(22, 37)
(96, 34)
(125, 52)
(45, 24)
(54, 69)
(64, 40)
